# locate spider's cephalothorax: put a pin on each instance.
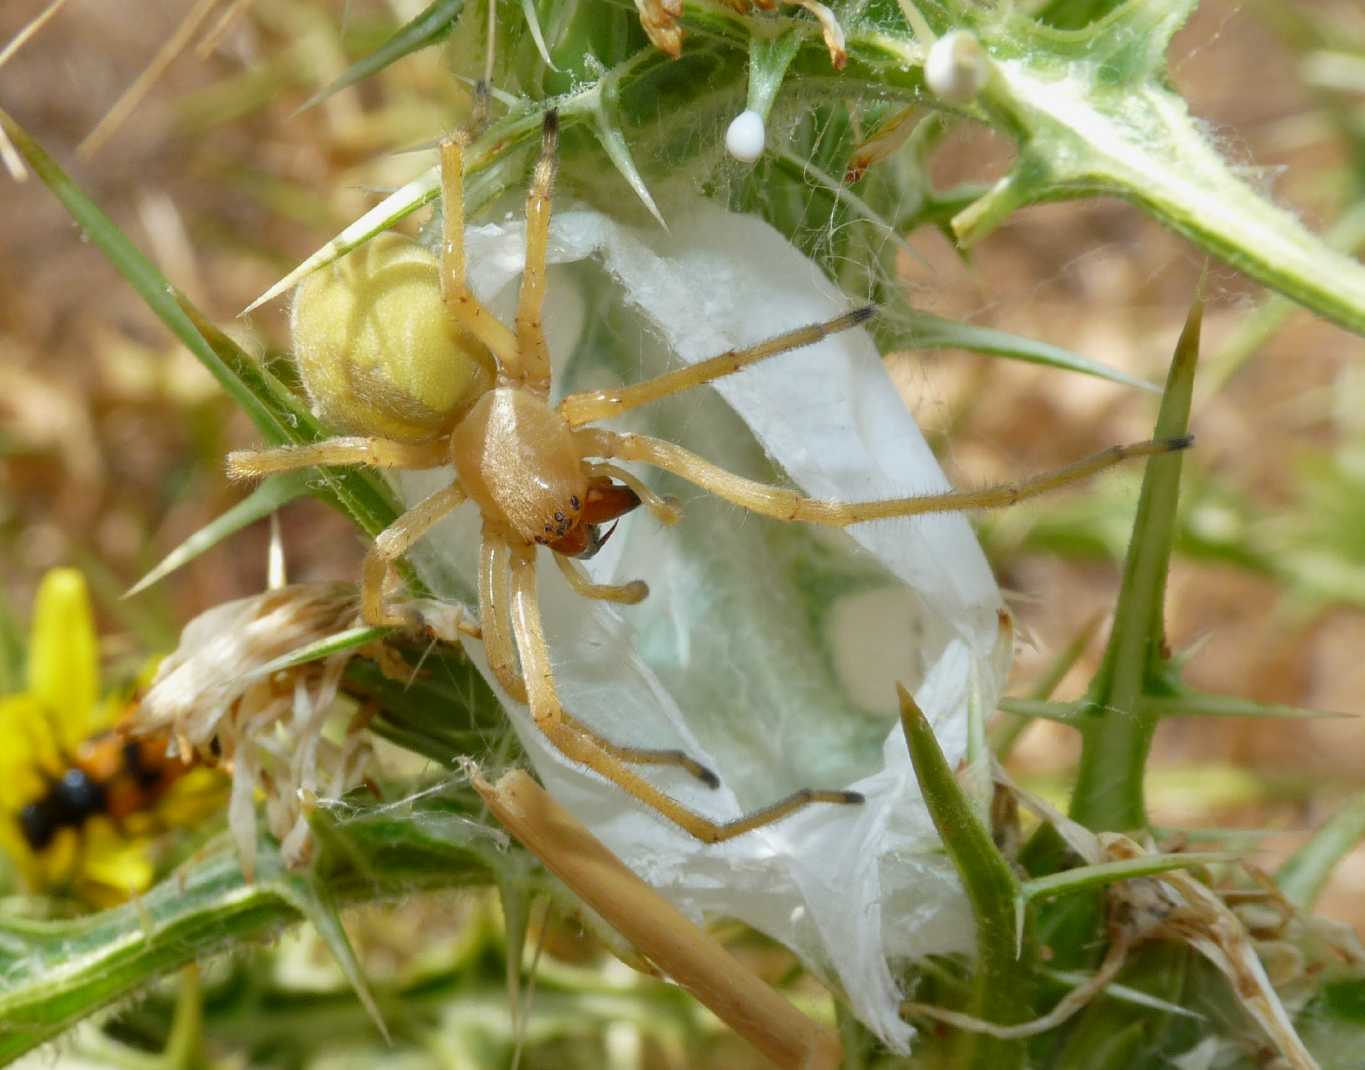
(516, 458)
(538, 475)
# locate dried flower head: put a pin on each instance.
(219, 699)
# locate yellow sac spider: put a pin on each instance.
(432, 378)
(83, 804)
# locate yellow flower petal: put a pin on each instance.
(29, 747)
(63, 657)
(112, 868)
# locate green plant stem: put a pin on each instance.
(1002, 981)
(1116, 732)
(59, 972)
(1306, 872)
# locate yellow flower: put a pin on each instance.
(79, 806)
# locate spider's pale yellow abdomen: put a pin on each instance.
(376, 348)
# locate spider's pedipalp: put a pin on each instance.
(665, 510)
(627, 594)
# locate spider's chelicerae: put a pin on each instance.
(539, 475)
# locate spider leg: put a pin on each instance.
(464, 308)
(578, 744)
(590, 405)
(627, 594)
(783, 503)
(495, 589)
(535, 352)
(373, 452)
(495, 602)
(392, 543)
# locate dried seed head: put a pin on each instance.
(213, 696)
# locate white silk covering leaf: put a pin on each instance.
(768, 651)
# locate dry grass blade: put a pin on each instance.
(132, 96)
(220, 28)
(688, 954)
(14, 163)
(35, 24)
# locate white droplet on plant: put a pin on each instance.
(744, 140)
(957, 67)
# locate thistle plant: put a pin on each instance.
(729, 171)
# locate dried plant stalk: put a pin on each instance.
(686, 953)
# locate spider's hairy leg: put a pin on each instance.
(783, 503)
(644, 755)
(608, 760)
(591, 405)
(495, 588)
(352, 449)
(626, 594)
(464, 308)
(495, 603)
(535, 352)
(392, 543)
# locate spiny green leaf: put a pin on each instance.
(261, 502)
(1042, 709)
(350, 639)
(1093, 113)
(1201, 704)
(1000, 990)
(1009, 724)
(314, 899)
(769, 58)
(1116, 733)
(1104, 873)
(1303, 876)
(1105, 121)
(923, 330)
(58, 972)
(423, 29)
(606, 125)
